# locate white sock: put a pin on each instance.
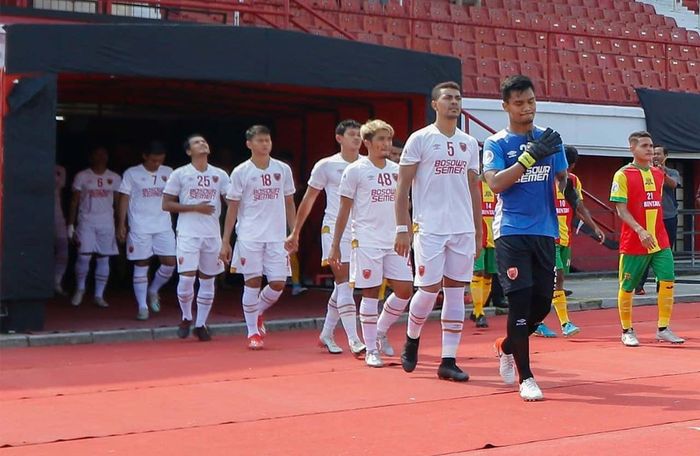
(452, 319)
(205, 299)
(161, 277)
(82, 267)
(60, 259)
(141, 285)
(268, 297)
(332, 315)
(393, 309)
(347, 310)
(101, 275)
(250, 309)
(368, 321)
(421, 304)
(185, 294)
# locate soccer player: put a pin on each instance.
(325, 176)
(669, 206)
(92, 207)
(368, 189)
(149, 229)
(567, 205)
(60, 232)
(637, 194)
(261, 207)
(194, 192)
(485, 265)
(441, 165)
(521, 163)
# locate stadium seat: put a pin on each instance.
(583, 43)
(654, 50)
(544, 8)
(459, 13)
(562, 10)
(506, 36)
(527, 39)
(487, 67)
(636, 49)
(420, 44)
(469, 67)
(682, 52)
(693, 38)
(506, 53)
(493, 4)
(398, 27)
(618, 94)
(465, 32)
(468, 84)
(530, 55)
(568, 57)
(594, 14)
(463, 49)
(395, 9)
(627, 17)
(652, 80)
(597, 92)
(487, 85)
(532, 69)
(693, 67)
(566, 42)
(442, 30)
(611, 15)
(422, 29)
(623, 62)
(439, 11)
(485, 35)
(632, 78)
(576, 90)
(573, 74)
(372, 7)
(642, 64)
(368, 38)
(620, 46)
(519, 19)
(677, 66)
(486, 51)
(438, 46)
(506, 69)
(602, 45)
(588, 60)
(557, 90)
(659, 65)
(396, 41)
(480, 15)
(593, 75)
(373, 24)
(556, 73)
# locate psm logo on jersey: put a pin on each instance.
(512, 273)
(215, 179)
(366, 273)
(109, 181)
(277, 176)
(164, 178)
(421, 270)
(242, 261)
(395, 176)
(181, 260)
(131, 249)
(463, 146)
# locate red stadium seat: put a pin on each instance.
(527, 39)
(583, 43)
(623, 62)
(506, 69)
(655, 50)
(617, 94)
(658, 65)
(398, 27)
(693, 37)
(534, 70)
(506, 36)
(577, 91)
(395, 9)
(351, 22)
(562, 10)
(468, 84)
(588, 60)
(438, 46)
(487, 86)
(637, 49)
(677, 66)
(459, 13)
(632, 78)
(486, 51)
(485, 35)
(493, 4)
(526, 54)
(635, 7)
(611, 15)
(672, 81)
(465, 32)
(463, 49)
(652, 80)
(602, 45)
(693, 67)
(480, 15)
(351, 5)
(556, 73)
(506, 53)
(487, 67)
(368, 38)
(627, 17)
(439, 11)
(679, 36)
(682, 52)
(620, 47)
(594, 14)
(573, 74)
(568, 58)
(656, 21)
(373, 24)
(442, 30)
(396, 41)
(544, 8)
(612, 77)
(469, 67)
(557, 90)
(519, 19)
(422, 29)
(593, 75)
(642, 64)
(597, 92)
(566, 42)
(421, 44)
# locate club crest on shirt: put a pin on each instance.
(366, 273)
(164, 178)
(277, 176)
(463, 146)
(488, 157)
(512, 273)
(243, 261)
(109, 181)
(131, 249)
(421, 270)
(215, 179)
(181, 260)
(395, 176)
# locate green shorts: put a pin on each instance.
(563, 258)
(632, 267)
(486, 261)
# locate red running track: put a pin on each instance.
(187, 397)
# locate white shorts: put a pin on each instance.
(199, 254)
(143, 246)
(327, 240)
(255, 259)
(448, 255)
(369, 266)
(96, 239)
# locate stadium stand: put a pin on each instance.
(594, 51)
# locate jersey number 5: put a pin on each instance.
(450, 149)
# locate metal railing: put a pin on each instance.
(686, 252)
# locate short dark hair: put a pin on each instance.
(435, 93)
(637, 135)
(186, 144)
(255, 130)
(663, 149)
(517, 83)
(571, 154)
(156, 148)
(395, 142)
(346, 124)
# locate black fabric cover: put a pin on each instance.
(673, 119)
(224, 53)
(26, 262)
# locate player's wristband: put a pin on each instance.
(526, 160)
(401, 229)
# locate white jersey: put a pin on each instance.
(326, 176)
(373, 191)
(262, 212)
(96, 196)
(441, 198)
(60, 181)
(193, 187)
(145, 190)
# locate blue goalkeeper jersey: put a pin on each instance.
(527, 207)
